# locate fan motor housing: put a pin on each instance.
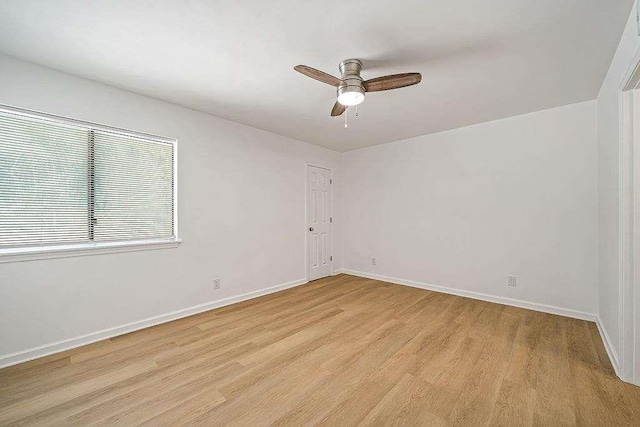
(350, 71)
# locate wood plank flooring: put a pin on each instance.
(339, 351)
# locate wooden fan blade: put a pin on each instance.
(393, 81)
(318, 75)
(337, 109)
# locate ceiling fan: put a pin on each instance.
(351, 87)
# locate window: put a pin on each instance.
(67, 185)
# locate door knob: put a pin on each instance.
(310, 228)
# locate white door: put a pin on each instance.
(318, 222)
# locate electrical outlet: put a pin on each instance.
(512, 281)
(373, 261)
(216, 283)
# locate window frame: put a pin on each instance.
(27, 253)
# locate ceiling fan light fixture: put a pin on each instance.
(350, 99)
(350, 95)
(352, 88)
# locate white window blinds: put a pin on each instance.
(133, 188)
(64, 182)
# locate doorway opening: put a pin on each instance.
(629, 291)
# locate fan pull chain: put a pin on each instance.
(346, 121)
(356, 110)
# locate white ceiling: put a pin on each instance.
(480, 60)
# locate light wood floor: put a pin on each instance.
(338, 351)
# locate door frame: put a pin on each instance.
(306, 205)
(629, 224)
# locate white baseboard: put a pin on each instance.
(58, 346)
(608, 345)
(567, 312)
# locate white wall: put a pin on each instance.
(465, 208)
(609, 183)
(241, 216)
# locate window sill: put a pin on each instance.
(84, 249)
